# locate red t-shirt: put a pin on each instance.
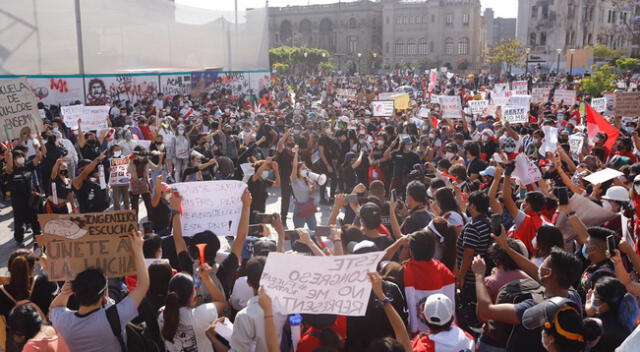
(310, 340)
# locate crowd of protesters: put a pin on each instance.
(474, 257)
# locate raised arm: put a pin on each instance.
(142, 273)
(78, 181)
(358, 161)
(8, 159)
(270, 334)
(486, 310)
(81, 140)
(496, 206)
(277, 225)
(340, 201)
(294, 164)
(576, 223)
(243, 226)
(523, 262)
(507, 199)
(306, 240)
(181, 245)
(566, 180)
(157, 191)
(264, 165)
(63, 297)
(217, 297)
(396, 231)
(399, 329)
(56, 169)
(43, 151)
(283, 140)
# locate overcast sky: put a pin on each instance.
(502, 8)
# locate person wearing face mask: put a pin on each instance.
(119, 184)
(159, 150)
(61, 182)
(260, 182)
(86, 186)
(160, 210)
(168, 141)
(71, 157)
(54, 152)
(378, 162)
(594, 254)
(626, 148)
(20, 172)
(403, 160)
(127, 144)
(616, 200)
(89, 144)
(229, 142)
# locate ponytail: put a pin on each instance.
(19, 284)
(171, 317)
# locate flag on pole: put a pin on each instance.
(596, 123)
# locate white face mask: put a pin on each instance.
(367, 121)
(380, 143)
(180, 132)
(485, 138)
(117, 153)
(20, 161)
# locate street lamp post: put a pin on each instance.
(373, 64)
(359, 63)
(558, 51)
(305, 61)
(572, 51)
(526, 69)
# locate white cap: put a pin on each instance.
(438, 309)
(618, 194)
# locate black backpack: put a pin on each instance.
(516, 336)
(139, 337)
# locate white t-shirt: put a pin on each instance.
(454, 218)
(190, 335)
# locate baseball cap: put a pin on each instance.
(489, 171)
(438, 309)
(361, 247)
(370, 212)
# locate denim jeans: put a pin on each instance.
(300, 221)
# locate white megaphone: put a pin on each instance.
(320, 179)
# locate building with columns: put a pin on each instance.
(437, 32)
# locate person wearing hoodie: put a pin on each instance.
(443, 334)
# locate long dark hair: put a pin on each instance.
(20, 265)
(449, 243)
(180, 293)
(447, 200)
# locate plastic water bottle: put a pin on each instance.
(295, 321)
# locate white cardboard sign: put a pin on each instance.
(515, 114)
(540, 95)
(575, 143)
(599, 104)
(382, 108)
(211, 205)
(319, 285)
(523, 101)
(478, 106)
(567, 97)
(18, 109)
(451, 106)
(424, 112)
(602, 176)
(520, 87)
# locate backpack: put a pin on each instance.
(516, 336)
(138, 336)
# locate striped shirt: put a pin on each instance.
(476, 235)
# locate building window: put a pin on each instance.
(545, 11)
(532, 39)
(411, 47)
(431, 46)
(398, 20)
(448, 46)
(422, 46)
(352, 44)
(534, 11)
(412, 20)
(609, 17)
(399, 47)
(543, 38)
(449, 20)
(386, 47)
(465, 19)
(353, 23)
(463, 46)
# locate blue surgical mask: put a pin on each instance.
(584, 252)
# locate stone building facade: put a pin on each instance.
(437, 32)
(546, 25)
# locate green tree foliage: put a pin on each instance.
(601, 81)
(628, 64)
(280, 68)
(510, 52)
(326, 67)
(604, 53)
(294, 57)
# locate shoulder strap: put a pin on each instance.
(114, 323)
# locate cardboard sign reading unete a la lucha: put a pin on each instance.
(18, 109)
(75, 242)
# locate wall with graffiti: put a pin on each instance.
(107, 88)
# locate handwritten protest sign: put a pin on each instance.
(18, 109)
(346, 93)
(76, 242)
(564, 96)
(329, 285)
(526, 171)
(424, 112)
(575, 143)
(520, 87)
(599, 104)
(627, 104)
(71, 114)
(500, 99)
(451, 106)
(119, 171)
(382, 108)
(611, 103)
(211, 205)
(540, 95)
(478, 106)
(95, 118)
(515, 114)
(523, 101)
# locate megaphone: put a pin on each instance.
(320, 179)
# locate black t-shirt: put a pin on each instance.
(226, 272)
(20, 181)
(475, 166)
(382, 242)
(331, 147)
(90, 151)
(160, 215)
(258, 190)
(403, 162)
(265, 131)
(285, 160)
(91, 198)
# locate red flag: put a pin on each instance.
(434, 122)
(596, 123)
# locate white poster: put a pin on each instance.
(540, 95)
(346, 93)
(424, 112)
(611, 103)
(18, 109)
(451, 106)
(119, 171)
(575, 143)
(599, 104)
(57, 90)
(94, 118)
(71, 114)
(520, 87)
(566, 97)
(523, 101)
(211, 205)
(526, 171)
(337, 285)
(382, 108)
(477, 106)
(515, 114)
